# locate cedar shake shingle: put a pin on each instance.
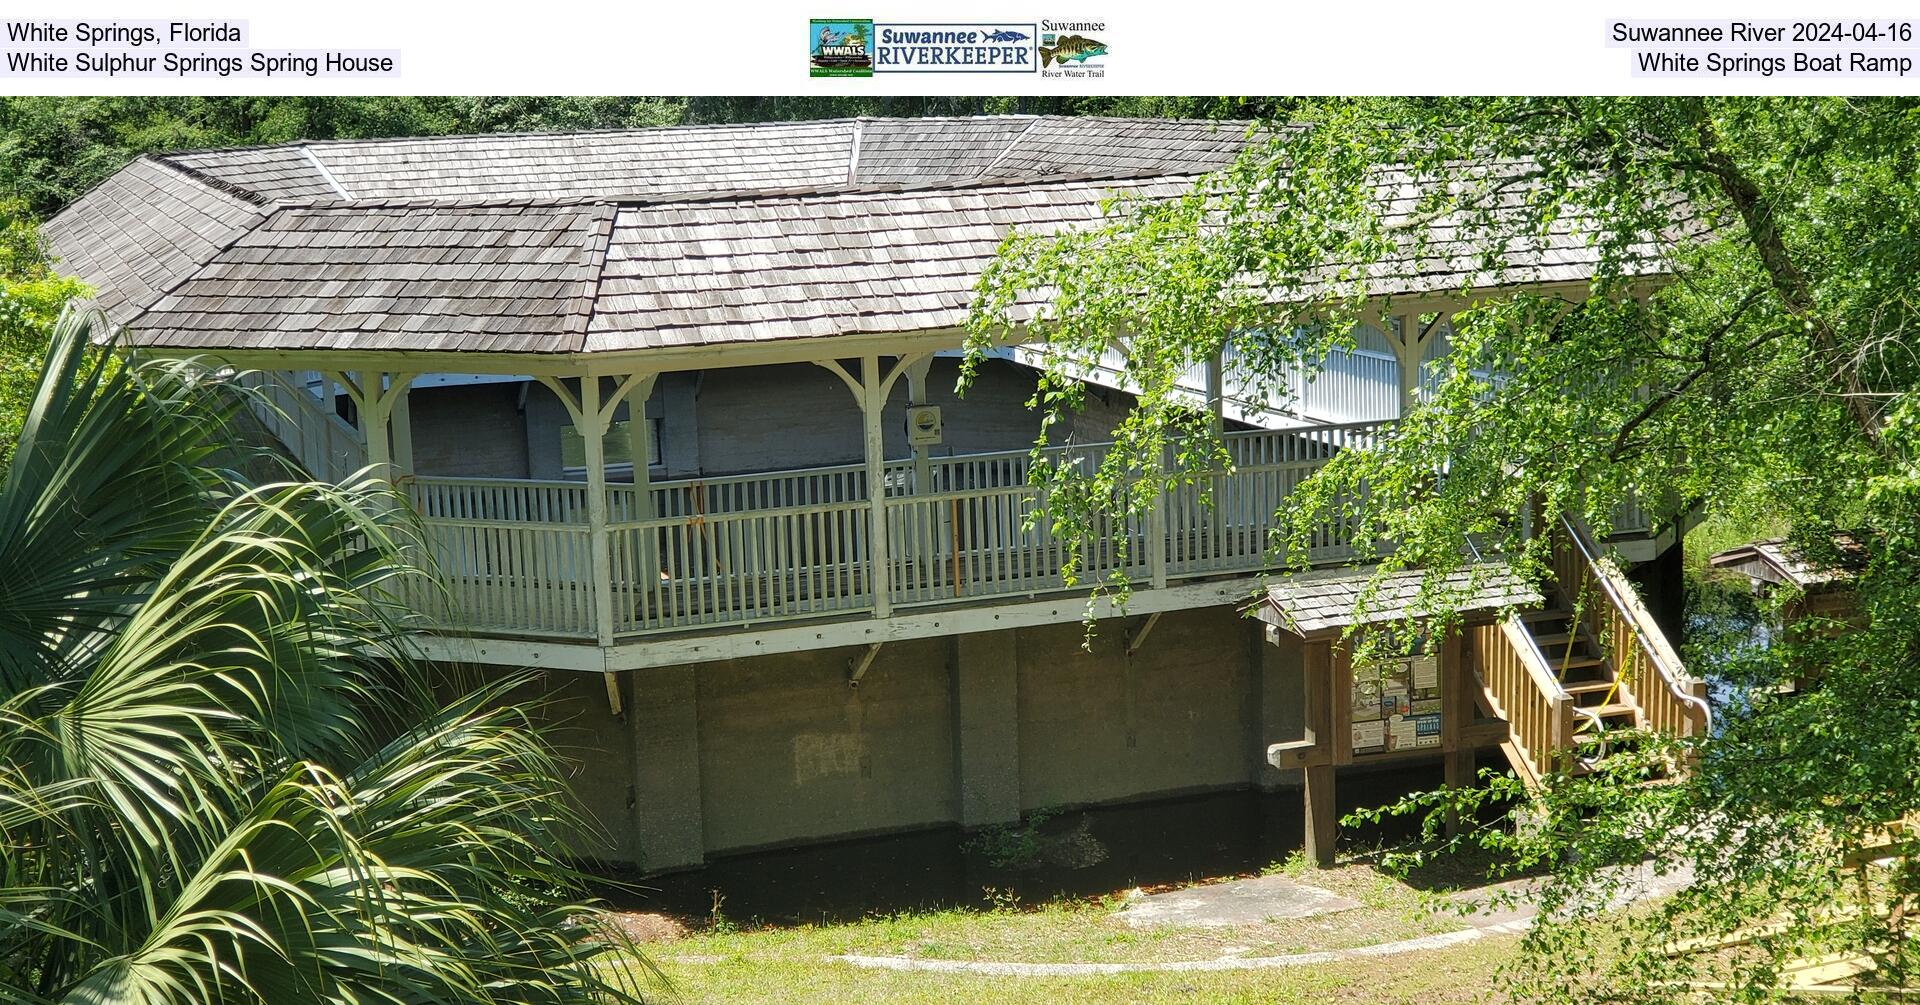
(649, 238)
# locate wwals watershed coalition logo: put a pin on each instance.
(858, 47)
(838, 47)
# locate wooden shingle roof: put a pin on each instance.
(1316, 605)
(639, 239)
(143, 230)
(819, 265)
(484, 277)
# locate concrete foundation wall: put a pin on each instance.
(971, 730)
(1099, 725)
(790, 751)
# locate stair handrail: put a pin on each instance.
(1671, 676)
(1541, 670)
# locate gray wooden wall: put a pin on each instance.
(736, 421)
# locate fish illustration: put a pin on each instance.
(1004, 35)
(1079, 48)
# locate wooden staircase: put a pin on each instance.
(1575, 679)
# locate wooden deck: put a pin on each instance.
(517, 554)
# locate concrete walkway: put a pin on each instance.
(1234, 903)
(1424, 942)
(1642, 885)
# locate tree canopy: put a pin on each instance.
(1746, 346)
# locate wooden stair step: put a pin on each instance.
(1576, 660)
(1609, 711)
(1588, 687)
(1551, 639)
(1531, 617)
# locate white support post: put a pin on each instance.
(873, 402)
(375, 394)
(592, 424)
(402, 429)
(1217, 406)
(1406, 351)
(635, 390)
(373, 421)
(1216, 391)
(871, 392)
(1156, 543)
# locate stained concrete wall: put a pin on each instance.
(1098, 725)
(790, 751)
(971, 730)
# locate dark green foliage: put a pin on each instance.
(1776, 372)
(222, 777)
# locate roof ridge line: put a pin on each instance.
(598, 246)
(985, 172)
(853, 157)
(325, 174)
(721, 195)
(214, 182)
(501, 133)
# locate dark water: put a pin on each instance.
(1086, 852)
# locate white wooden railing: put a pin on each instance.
(517, 553)
(326, 445)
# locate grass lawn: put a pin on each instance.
(1458, 974)
(722, 964)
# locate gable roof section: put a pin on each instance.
(1778, 561)
(1058, 145)
(595, 164)
(489, 277)
(270, 174)
(145, 228)
(805, 266)
(933, 151)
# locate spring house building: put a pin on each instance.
(676, 408)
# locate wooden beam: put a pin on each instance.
(731, 642)
(613, 693)
(1322, 819)
(1340, 700)
(591, 422)
(857, 668)
(1139, 637)
(1458, 702)
(1298, 754)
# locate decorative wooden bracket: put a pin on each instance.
(614, 705)
(1139, 637)
(857, 668)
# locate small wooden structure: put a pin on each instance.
(1821, 591)
(1392, 709)
(1849, 973)
(1547, 675)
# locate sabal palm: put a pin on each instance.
(221, 775)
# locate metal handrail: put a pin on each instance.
(1669, 675)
